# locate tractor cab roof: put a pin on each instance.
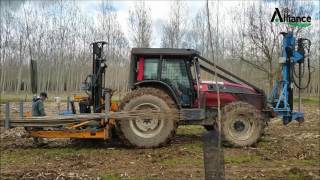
(164, 51)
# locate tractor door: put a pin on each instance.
(176, 73)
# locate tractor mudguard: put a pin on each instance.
(162, 85)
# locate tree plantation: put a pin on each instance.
(58, 34)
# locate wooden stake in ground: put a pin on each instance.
(212, 149)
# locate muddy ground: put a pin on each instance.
(284, 152)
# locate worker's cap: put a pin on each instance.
(44, 94)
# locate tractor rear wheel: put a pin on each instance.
(147, 132)
(241, 124)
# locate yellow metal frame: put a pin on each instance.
(81, 134)
(78, 98)
(71, 130)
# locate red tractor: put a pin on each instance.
(169, 79)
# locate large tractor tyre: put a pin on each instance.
(147, 132)
(241, 124)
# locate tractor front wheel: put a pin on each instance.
(242, 124)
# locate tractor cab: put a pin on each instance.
(177, 71)
(170, 69)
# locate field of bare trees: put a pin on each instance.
(57, 34)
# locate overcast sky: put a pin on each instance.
(160, 11)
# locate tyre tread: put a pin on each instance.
(140, 92)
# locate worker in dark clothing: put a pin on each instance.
(37, 105)
(38, 110)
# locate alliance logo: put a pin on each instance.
(294, 21)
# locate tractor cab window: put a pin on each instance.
(150, 69)
(174, 72)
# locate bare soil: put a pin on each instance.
(284, 152)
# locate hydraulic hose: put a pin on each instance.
(301, 65)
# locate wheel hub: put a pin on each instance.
(241, 128)
(147, 126)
